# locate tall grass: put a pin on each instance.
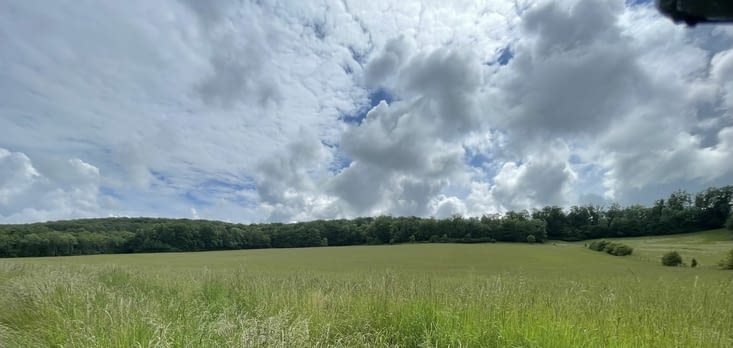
(77, 305)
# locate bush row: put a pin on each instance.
(613, 248)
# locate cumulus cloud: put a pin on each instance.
(544, 179)
(385, 65)
(235, 110)
(291, 172)
(445, 207)
(720, 71)
(406, 153)
(624, 87)
(69, 191)
(165, 104)
(18, 175)
(676, 133)
(573, 71)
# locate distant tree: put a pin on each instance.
(380, 230)
(517, 215)
(531, 239)
(714, 205)
(611, 214)
(672, 259)
(555, 219)
(679, 200)
(677, 213)
(693, 263)
(635, 221)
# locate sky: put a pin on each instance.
(260, 111)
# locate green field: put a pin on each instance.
(415, 295)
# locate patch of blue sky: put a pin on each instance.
(159, 176)
(505, 55)
(210, 190)
(575, 159)
(339, 163)
(110, 192)
(477, 159)
(340, 159)
(227, 186)
(638, 2)
(375, 97)
(487, 165)
(195, 199)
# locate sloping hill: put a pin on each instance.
(707, 247)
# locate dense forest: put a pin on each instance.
(680, 212)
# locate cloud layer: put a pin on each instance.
(285, 111)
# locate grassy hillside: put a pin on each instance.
(476, 295)
(708, 247)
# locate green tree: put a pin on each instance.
(714, 205)
(729, 222)
(380, 230)
(555, 220)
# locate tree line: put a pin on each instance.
(680, 212)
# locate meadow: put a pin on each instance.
(412, 295)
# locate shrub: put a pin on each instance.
(598, 245)
(693, 263)
(612, 248)
(672, 259)
(531, 239)
(727, 262)
(620, 250)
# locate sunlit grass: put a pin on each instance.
(707, 247)
(426, 295)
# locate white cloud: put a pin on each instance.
(546, 178)
(574, 71)
(71, 190)
(445, 207)
(720, 72)
(234, 110)
(18, 175)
